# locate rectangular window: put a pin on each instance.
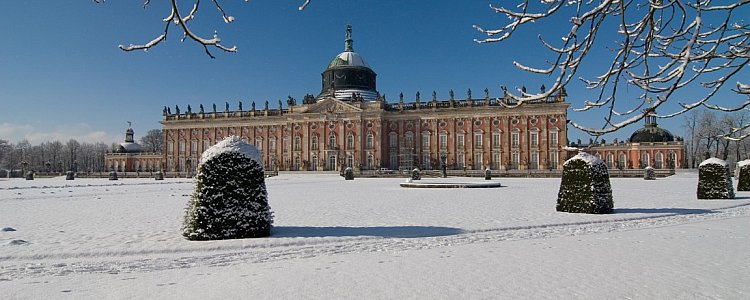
(534, 139)
(426, 161)
(170, 147)
(314, 143)
(350, 141)
(496, 161)
(259, 144)
(425, 141)
(272, 144)
(182, 146)
(478, 140)
(194, 146)
(460, 160)
(460, 140)
(477, 161)
(496, 140)
(515, 158)
(553, 160)
(534, 164)
(409, 141)
(443, 141)
(514, 139)
(206, 144)
(553, 139)
(393, 141)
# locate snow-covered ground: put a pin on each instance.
(370, 238)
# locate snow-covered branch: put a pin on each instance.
(669, 50)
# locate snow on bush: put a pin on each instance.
(649, 173)
(743, 179)
(714, 180)
(230, 199)
(416, 174)
(348, 173)
(585, 186)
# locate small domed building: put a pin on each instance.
(650, 145)
(130, 156)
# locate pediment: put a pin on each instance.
(332, 106)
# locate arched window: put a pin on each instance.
(370, 139)
(645, 160)
(314, 142)
(332, 140)
(610, 160)
(297, 143)
(623, 161)
(350, 141)
(659, 161)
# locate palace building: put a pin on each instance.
(349, 123)
(129, 156)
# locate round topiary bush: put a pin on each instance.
(743, 179)
(714, 180)
(348, 173)
(112, 175)
(487, 174)
(585, 186)
(230, 199)
(416, 174)
(159, 175)
(649, 173)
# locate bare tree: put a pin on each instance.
(661, 48)
(153, 141)
(181, 19)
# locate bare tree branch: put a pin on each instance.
(667, 49)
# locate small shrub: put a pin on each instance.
(585, 186)
(487, 174)
(112, 175)
(714, 180)
(416, 174)
(743, 179)
(230, 199)
(29, 175)
(348, 173)
(69, 175)
(649, 173)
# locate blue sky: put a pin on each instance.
(62, 75)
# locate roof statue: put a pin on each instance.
(348, 42)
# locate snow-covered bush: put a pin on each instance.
(159, 175)
(743, 177)
(487, 174)
(585, 186)
(416, 174)
(112, 175)
(69, 175)
(714, 180)
(348, 173)
(649, 173)
(230, 199)
(29, 175)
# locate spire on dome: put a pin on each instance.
(348, 42)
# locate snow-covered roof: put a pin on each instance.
(129, 147)
(348, 59)
(231, 144)
(714, 161)
(588, 158)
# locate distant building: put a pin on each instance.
(648, 146)
(130, 157)
(350, 124)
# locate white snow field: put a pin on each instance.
(371, 238)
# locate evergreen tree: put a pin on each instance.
(230, 199)
(585, 186)
(714, 180)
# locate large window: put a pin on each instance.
(332, 140)
(514, 139)
(460, 161)
(370, 161)
(477, 161)
(259, 144)
(460, 140)
(314, 163)
(393, 140)
(272, 144)
(409, 140)
(443, 141)
(534, 139)
(426, 141)
(194, 146)
(623, 161)
(496, 140)
(534, 163)
(496, 161)
(645, 160)
(610, 160)
(553, 139)
(426, 161)
(297, 143)
(370, 140)
(350, 141)
(478, 140)
(554, 160)
(314, 142)
(659, 163)
(182, 146)
(515, 158)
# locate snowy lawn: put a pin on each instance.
(94, 238)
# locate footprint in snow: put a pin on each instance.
(18, 243)
(6, 229)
